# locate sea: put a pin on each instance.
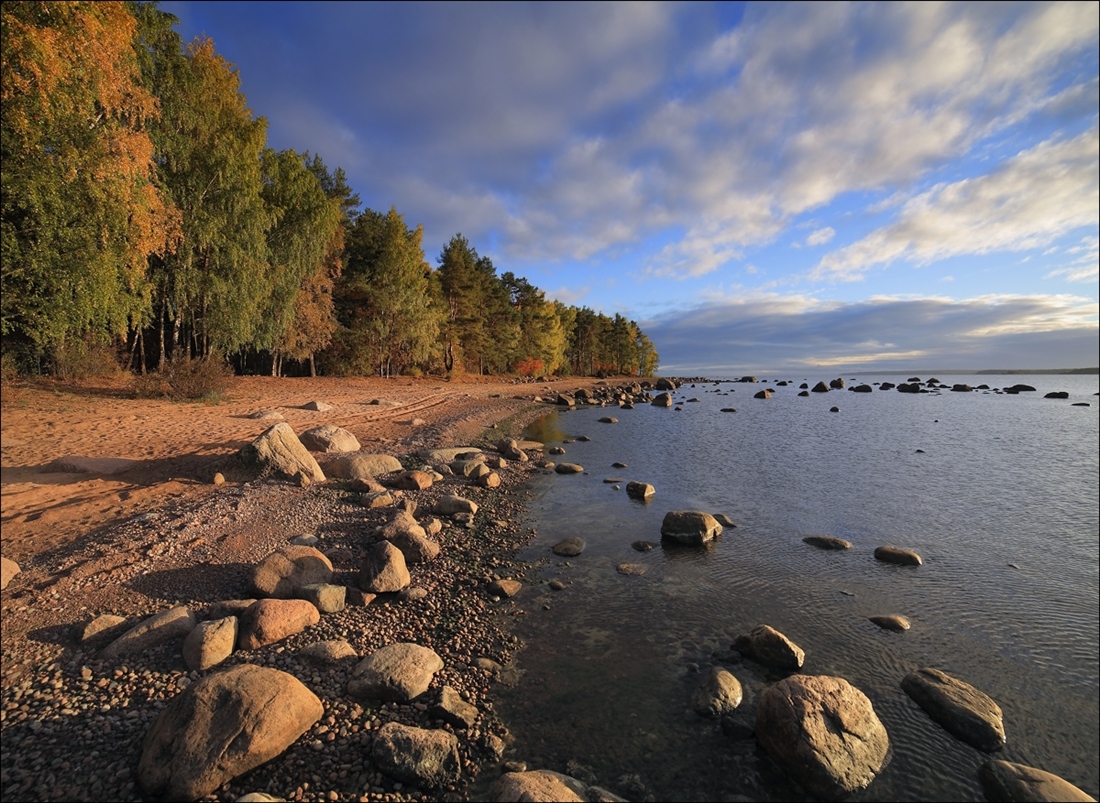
(996, 492)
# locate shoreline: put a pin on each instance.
(73, 724)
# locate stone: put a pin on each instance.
(317, 406)
(446, 455)
(568, 468)
(662, 400)
(358, 598)
(489, 480)
(305, 539)
(414, 480)
(643, 546)
(820, 387)
(395, 673)
(640, 490)
(425, 758)
(505, 588)
(632, 569)
(762, 394)
(210, 643)
(228, 607)
(221, 727)
(326, 597)
(279, 450)
(451, 504)
(569, 547)
(270, 620)
(1054, 394)
(689, 527)
(824, 732)
(891, 622)
(283, 573)
(837, 384)
(406, 534)
(219, 478)
(537, 786)
(105, 628)
(357, 466)
(1019, 783)
(893, 554)
(965, 712)
(718, 694)
(453, 710)
(862, 389)
(768, 646)
(607, 419)
(328, 652)
(724, 520)
(267, 415)
(510, 448)
(376, 499)
(384, 569)
(165, 626)
(827, 542)
(329, 439)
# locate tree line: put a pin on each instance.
(143, 211)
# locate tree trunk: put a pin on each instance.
(312, 366)
(163, 335)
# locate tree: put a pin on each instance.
(389, 317)
(80, 212)
(540, 333)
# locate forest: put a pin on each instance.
(145, 217)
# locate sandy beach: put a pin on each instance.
(109, 507)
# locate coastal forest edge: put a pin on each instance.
(145, 217)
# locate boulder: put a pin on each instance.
(425, 758)
(820, 387)
(505, 587)
(357, 466)
(827, 542)
(317, 406)
(279, 450)
(718, 694)
(221, 727)
(451, 504)
(607, 419)
(892, 621)
(414, 480)
(665, 384)
(328, 652)
(962, 710)
(395, 673)
(632, 569)
(724, 520)
(384, 569)
(1056, 394)
(326, 597)
(569, 547)
(406, 534)
(837, 384)
(8, 570)
(328, 439)
(862, 389)
(1018, 783)
(762, 394)
(1018, 388)
(210, 643)
(823, 731)
(961, 388)
(565, 400)
(662, 400)
(768, 646)
(569, 468)
(283, 573)
(453, 710)
(893, 554)
(270, 620)
(537, 786)
(165, 626)
(105, 628)
(689, 527)
(489, 480)
(640, 490)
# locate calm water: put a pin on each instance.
(1001, 504)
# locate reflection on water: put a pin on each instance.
(997, 493)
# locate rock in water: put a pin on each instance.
(689, 526)
(720, 693)
(223, 726)
(893, 554)
(961, 709)
(768, 646)
(827, 542)
(569, 547)
(1018, 783)
(825, 732)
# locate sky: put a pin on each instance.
(762, 187)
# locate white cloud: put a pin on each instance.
(1085, 266)
(1031, 200)
(821, 236)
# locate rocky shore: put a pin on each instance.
(75, 717)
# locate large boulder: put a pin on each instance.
(157, 629)
(689, 526)
(820, 387)
(640, 490)
(718, 694)
(537, 786)
(282, 574)
(384, 569)
(824, 732)
(425, 758)
(395, 673)
(406, 534)
(359, 466)
(768, 646)
(662, 400)
(1018, 783)
(279, 450)
(267, 621)
(223, 726)
(965, 712)
(329, 438)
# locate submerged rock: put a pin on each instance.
(827, 542)
(893, 554)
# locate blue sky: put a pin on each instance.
(763, 187)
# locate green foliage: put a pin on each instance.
(87, 357)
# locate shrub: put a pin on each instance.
(183, 378)
(85, 359)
